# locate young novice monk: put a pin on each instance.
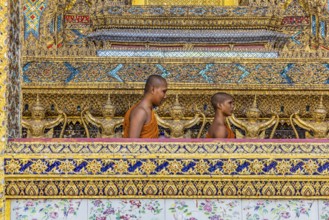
(223, 105)
(140, 120)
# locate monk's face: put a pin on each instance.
(227, 107)
(159, 94)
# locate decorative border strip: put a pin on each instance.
(174, 88)
(168, 188)
(162, 166)
(92, 59)
(186, 11)
(188, 54)
(123, 146)
(171, 169)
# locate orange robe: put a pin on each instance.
(230, 133)
(149, 130)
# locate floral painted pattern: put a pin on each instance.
(279, 210)
(125, 209)
(44, 209)
(324, 210)
(205, 209)
(168, 209)
(259, 210)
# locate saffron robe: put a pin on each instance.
(149, 130)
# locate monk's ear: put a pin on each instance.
(219, 105)
(152, 89)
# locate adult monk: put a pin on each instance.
(140, 120)
(223, 104)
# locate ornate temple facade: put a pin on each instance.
(70, 69)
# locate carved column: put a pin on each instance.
(10, 90)
(4, 71)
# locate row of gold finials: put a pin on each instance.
(253, 126)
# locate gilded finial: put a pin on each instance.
(176, 101)
(321, 108)
(37, 105)
(321, 102)
(254, 104)
(254, 107)
(177, 105)
(108, 104)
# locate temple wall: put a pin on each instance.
(64, 178)
(60, 57)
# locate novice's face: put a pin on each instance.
(227, 107)
(159, 94)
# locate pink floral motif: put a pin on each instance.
(125, 217)
(97, 203)
(136, 203)
(29, 203)
(260, 203)
(216, 217)
(53, 215)
(109, 211)
(150, 207)
(71, 210)
(303, 211)
(285, 214)
(207, 207)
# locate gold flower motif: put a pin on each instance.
(175, 167)
(38, 167)
(121, 166)
(256, 166)
(148, 167)
(94, 167)
(229, 166)
(310, 167)
(283, 167)
(66, 166)
(13, 166)
(201, 167)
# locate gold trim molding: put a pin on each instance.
(175, 88)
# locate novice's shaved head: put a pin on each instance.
(154, 81)
(220, 98)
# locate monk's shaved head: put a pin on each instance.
(220, 98)
(154, 81)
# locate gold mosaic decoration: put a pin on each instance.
(60, 68)
(187, 2)
(172, 169)
(4, 64)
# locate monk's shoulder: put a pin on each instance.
(138, 111)
(218, 130)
